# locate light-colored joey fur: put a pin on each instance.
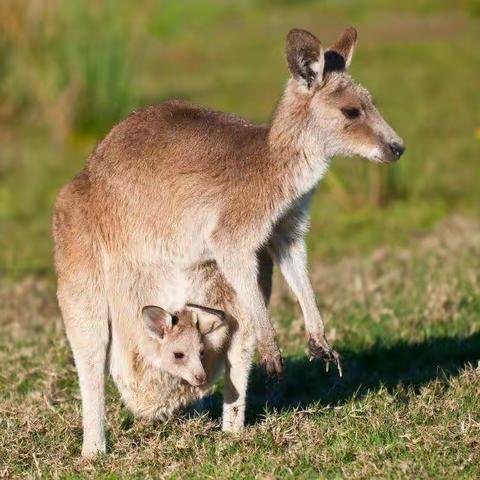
(160, 384)
(179, 339)
(177, 361)
(176, 185)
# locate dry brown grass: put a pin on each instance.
(407, 323)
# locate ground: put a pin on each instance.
(394, 251)
(406, 323)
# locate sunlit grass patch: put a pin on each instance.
(405, 321)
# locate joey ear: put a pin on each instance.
(157, 321)
(209, 319)
(339, 55)
(304, 57)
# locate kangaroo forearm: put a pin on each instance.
(241, 273)
(292, 259)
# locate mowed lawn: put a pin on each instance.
(394, 250)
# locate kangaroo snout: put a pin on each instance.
(390, 150)
(397, 149)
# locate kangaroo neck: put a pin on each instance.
(296, 156)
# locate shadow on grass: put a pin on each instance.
(407, 364)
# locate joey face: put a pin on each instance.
(181, 338)
(340, 116)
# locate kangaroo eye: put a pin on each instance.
(351, 113)
(179, 355)
(202, 353)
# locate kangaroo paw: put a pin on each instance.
(321, 349)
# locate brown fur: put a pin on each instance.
(175, 186)
(231, 168)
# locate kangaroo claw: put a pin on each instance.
(325, 352)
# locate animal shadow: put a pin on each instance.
(411, 364)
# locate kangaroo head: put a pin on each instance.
(336, 116)
(181, 337)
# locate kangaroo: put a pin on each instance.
(176, 185)
(175, 360)
(178, 357)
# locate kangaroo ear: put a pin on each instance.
(209, 319)
(157, 321)
(339, 55)
(304, 57)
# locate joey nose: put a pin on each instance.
(397, 149)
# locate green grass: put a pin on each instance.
(393, 250)
(406, 322)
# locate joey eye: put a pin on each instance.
(202, 353)
(179, 355)
(351, 113)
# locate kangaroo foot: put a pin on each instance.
(271, 361)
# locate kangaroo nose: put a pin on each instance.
(397, 149)
(200, 378)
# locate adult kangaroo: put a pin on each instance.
(176, 185)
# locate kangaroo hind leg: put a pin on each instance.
(84, 307)
(85, 313)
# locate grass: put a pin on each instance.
(92, 66)
(407, 323)
(393, 251)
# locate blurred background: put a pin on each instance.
(71, 69)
